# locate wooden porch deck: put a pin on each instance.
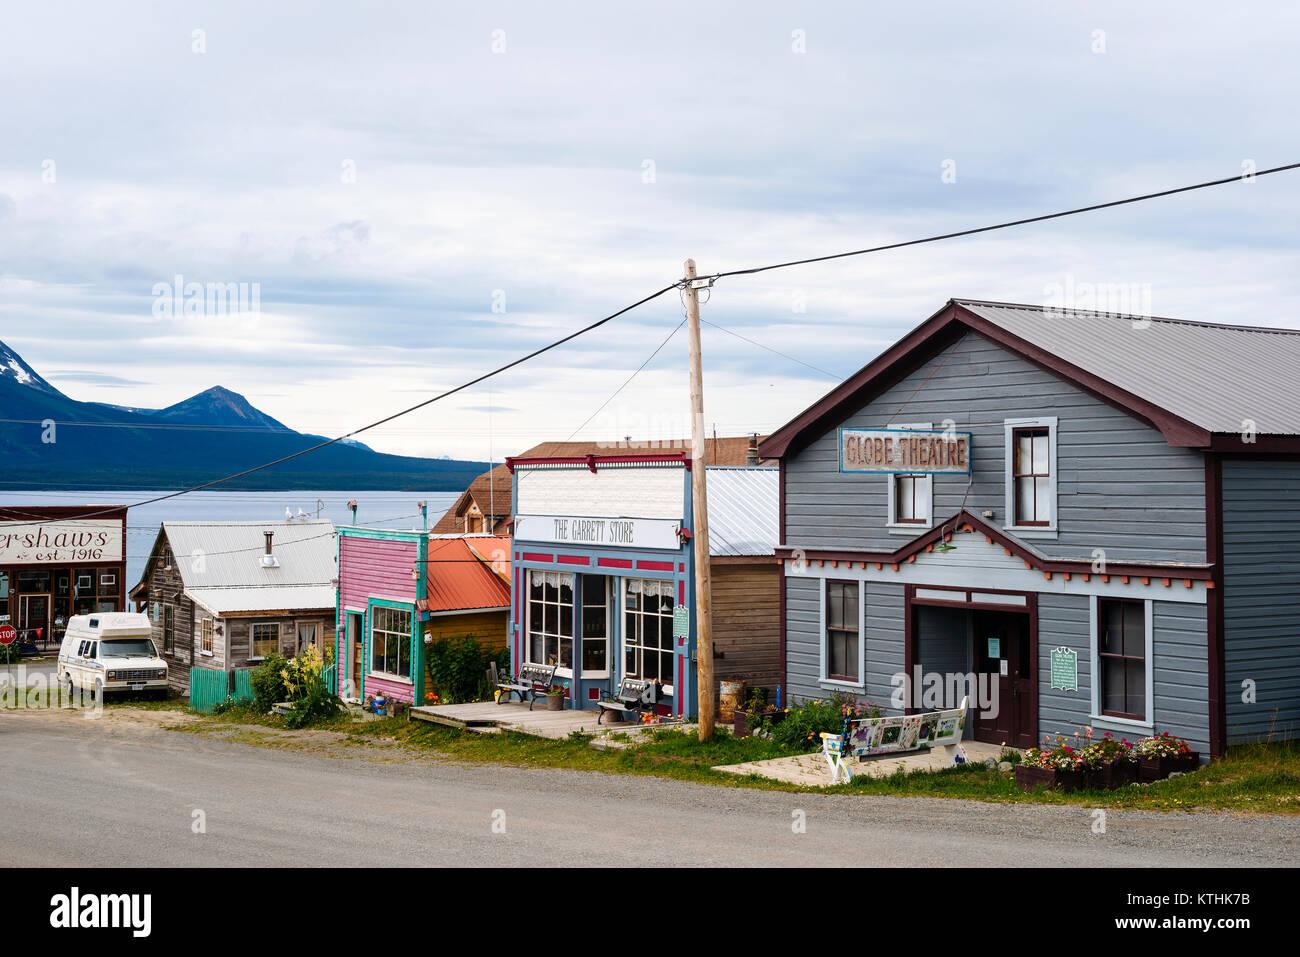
(488, 716)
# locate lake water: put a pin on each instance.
(385, 509)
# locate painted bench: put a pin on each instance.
(531, 681)
(634, 695)
(864, 737)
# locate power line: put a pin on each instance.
(1006, 225)
(628, 381)
(777, 352)
(388, 418)
(711, 277)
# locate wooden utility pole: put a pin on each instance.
(700, 505)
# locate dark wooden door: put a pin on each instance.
(1003, 652)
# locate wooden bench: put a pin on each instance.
(633, 697)
(531, 681)
(865, 737)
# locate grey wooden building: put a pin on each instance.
(224, 595)
(1094, 511)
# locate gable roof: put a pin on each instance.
(491, 490)
(1194, 381)
(967, 521)
(467, 573)
(219, 564)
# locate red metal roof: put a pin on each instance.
(464, 574)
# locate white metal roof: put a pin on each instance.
(221, 563)
(264, 598)
(744, 510)
(1216, 376)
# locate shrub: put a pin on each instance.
(267, 682)
(801, 730)
(311, 699)
(458, 667)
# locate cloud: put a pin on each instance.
(416, 209)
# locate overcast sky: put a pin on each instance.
(387, 173)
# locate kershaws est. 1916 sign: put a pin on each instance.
(905, 451)
(74, 540)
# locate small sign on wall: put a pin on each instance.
(1065, 669)
(681, 621)
(995, 647)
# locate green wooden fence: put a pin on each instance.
(209, 687)
(331, 676)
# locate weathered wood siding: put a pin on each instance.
(1261, 597)
(489, 627)
(747, 623)
(1120, 487)
(165, 588)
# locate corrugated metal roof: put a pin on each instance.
(1214, 376)
(226, 555)
(459, 578)
(744, 510)
(264, 598)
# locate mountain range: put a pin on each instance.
(214, 433)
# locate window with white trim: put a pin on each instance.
(911, 496)
(648, 606)
(390, 641)
(1121, 654)
(843, 635)
(264, 638)
(205, 635)
(550, 618)
(1031, 474)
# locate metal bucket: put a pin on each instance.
(731, 696)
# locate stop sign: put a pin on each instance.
(8, 634)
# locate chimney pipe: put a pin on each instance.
(751, 454)
(268, 541)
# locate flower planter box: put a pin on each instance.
(1158, 767)
(746, 720)
(1111, 775)
(1053, 779)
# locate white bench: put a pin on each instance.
(864, 737)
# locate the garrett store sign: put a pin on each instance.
(907, 451)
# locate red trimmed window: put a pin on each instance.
(910, 499)
(843, 631)
(1031, 474)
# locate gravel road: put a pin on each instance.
(126, 792)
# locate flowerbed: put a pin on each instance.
(1103, 763)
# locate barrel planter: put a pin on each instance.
(1054, 779)
(731, 695)
(1158, 767)
(554, 702)
(1111, 775)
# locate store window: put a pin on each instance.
(4, 596)
(1031, 474)
(1122, 657)
(550, 618)
(648, 606)
(390, 641)
(264, 638)
(595, 625)
(843, 632)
